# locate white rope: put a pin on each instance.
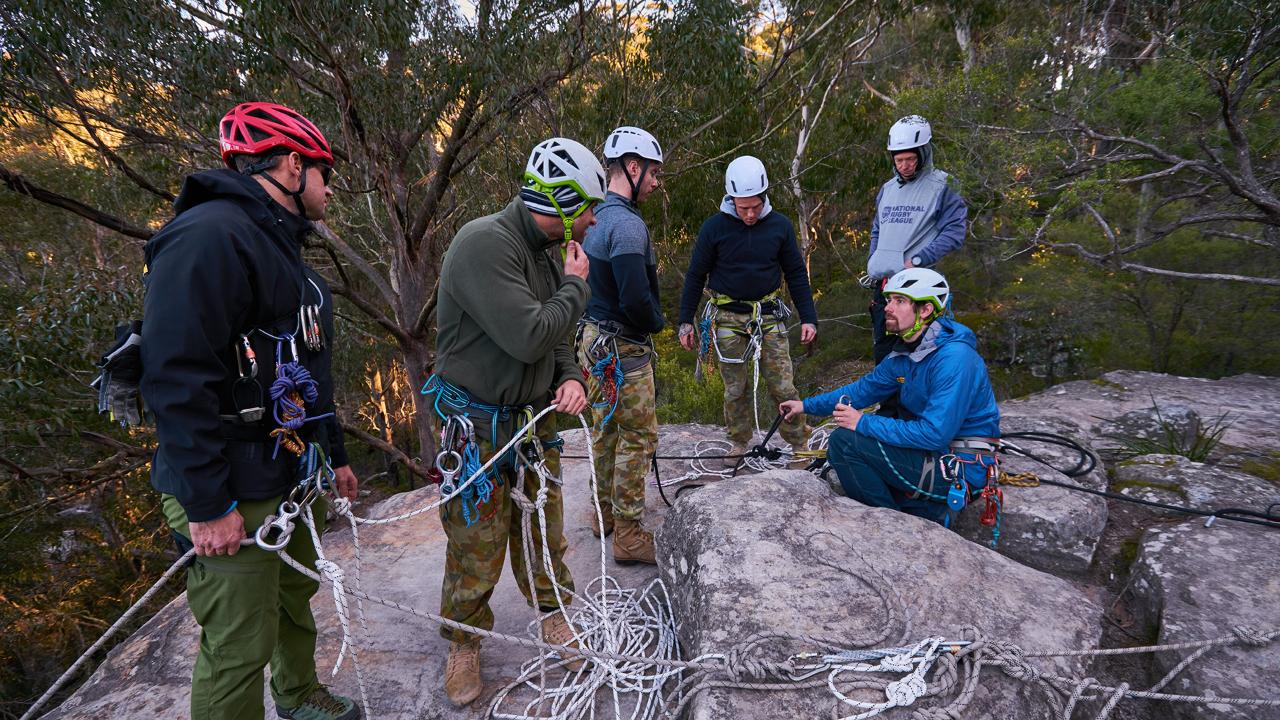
(111, 631)
(629, 641)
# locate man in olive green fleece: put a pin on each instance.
(506, 313)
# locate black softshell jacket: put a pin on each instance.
(229, 264)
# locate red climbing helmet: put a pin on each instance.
(254, 128)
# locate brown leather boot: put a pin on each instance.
(606, 511)
(462, 673)
(632, 543)
(556, 630)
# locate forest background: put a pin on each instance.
(1119, 159)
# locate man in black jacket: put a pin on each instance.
(741, 255)
(231, 311)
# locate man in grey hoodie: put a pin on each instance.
(919, 218)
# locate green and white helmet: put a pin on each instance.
(922, 285)
(562, 178)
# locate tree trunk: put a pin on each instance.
(963, 21)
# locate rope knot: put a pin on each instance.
(1250, 636)
(906, 691)
(341, 505)
(331, 571)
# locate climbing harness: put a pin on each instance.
(459, 454)
(607, 366)
(766, 315)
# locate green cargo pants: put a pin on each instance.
(623, 447)
(775, 376)
(252, 610)
(474, 555)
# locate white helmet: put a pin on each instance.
(909, 133)
(561, 162)
(628, 140)
(922, 285)
(745, 177)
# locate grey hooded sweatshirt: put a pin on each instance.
(922, 219)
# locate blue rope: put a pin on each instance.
(600, 371)
(922, 491)
(704, 339)
(292, 377)
(480, 491)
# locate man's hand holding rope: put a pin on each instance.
(571, 398)
(808, 331)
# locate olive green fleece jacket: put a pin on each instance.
(506, 312)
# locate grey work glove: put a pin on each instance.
(121, 371)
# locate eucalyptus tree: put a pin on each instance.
(419, 99)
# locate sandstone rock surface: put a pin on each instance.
(1175, 480)
(1196, 583)
(1045, 527)
(778, 552)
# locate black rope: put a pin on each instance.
(762, 448)
(1087, 463)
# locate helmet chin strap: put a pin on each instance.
(635, 185)
(918, 326)
(297, 196)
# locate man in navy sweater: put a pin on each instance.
(614, 343)
(741, 255)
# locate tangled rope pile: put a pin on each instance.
(629, 639)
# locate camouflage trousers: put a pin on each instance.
(623, 447)
(475, 555)
(775, 377)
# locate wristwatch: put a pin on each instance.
(917, 261)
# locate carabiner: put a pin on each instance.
(271, 523)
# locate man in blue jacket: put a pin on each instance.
(919, 218)
(741, 256)
(614, 341)
(229, 302)
(940, 451)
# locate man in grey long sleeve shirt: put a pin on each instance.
(614, 343)
(919, 218)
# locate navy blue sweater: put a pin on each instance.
(624, 269)
(747, 262)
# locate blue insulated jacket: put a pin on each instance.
(943, 383)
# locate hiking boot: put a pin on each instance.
(606, 511)
(462, 673)
(632, 543)
(556, 630)
(322, 704)
(734, 455)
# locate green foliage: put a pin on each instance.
(391, 82)
(681, 398)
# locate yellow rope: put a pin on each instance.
(1024, 479)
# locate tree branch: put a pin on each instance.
(19, 184)
(414, 465)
